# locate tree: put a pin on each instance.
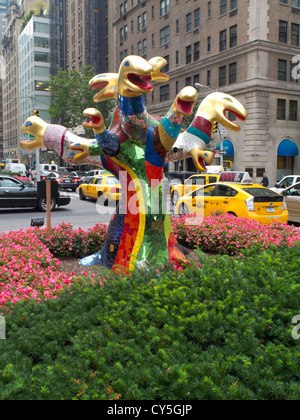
(72, 95)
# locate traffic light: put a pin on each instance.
(215, 128)
(36, 113)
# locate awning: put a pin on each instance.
(288, 148)
(228, 147)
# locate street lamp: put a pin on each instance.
(199, 85)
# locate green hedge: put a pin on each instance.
(223, 331)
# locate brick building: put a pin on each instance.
(78, 34)
(249, 49)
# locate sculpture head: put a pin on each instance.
(107, 84)
(213, 109)
(135, 77)
(96, 121)
(214, 106)
(36, 127)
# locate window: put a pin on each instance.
(164, 93)
(293, 111)
(233, 36)
(281, 109)
(42, 86)
(42, 28)
(296, 3)
(9, 183)
(188, 54)
(208, 44)
(164, 7)
(139, 23)
(295, 34)
(42, 57)
(223, 7)
(197, 18)
(189, 22)
(41, 42)
(282, 70)
(283, 31)
(208, 77)
(233, 4)
(41, 71)
(144, 20)
(232, 73)
(223, 40)
(222, 76)
(209, 9)
(196, 51)
(164, 36)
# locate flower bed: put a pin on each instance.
(28, 270)
(66, 242)
(226, 234)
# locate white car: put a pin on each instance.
(292, 198)
(285, 183)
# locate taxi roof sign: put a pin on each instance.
(235, 177)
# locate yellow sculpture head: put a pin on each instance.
(107, 84)
(36, 127)
(96, 121)
(135, 77)
(214, 106)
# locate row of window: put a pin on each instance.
(284, 113)
(164, 6)
(284, 33)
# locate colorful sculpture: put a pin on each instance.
(134, 149)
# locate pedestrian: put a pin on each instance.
(265, 181)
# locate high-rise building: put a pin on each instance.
(34, 72)
(249, 49)
(16, 17)
(78, 34)
(11, 130)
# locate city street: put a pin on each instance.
(79, 213)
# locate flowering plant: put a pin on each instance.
(227, 234)
(66, 242)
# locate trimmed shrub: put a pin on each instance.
(220, 332)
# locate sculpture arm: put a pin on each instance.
(171, 125)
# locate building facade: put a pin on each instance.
(34, 72)
(78, 34)
(11, 130)
(247, 48)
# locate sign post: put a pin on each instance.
(48, 203)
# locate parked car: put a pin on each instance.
(292, 198)
(191, 184)
(65, 182)
(15, 193)
(286, 182)
(107, 186)
(238, 197)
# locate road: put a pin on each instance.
(82, 214)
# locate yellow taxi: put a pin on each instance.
(191, 184)
(105, 186)
(235, 194)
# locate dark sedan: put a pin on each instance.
(65, 181)
(15, 193)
